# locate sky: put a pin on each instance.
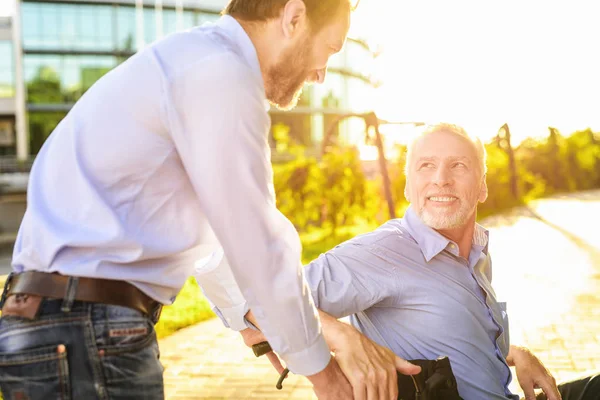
(528, 63)
(531, 64)
(6, 7)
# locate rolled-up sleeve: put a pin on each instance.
(219, 124)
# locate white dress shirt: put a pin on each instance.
(160, 165)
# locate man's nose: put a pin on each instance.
(442, 177)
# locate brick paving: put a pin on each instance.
(546, 266)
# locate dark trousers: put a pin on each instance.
(94, 351)
(587, 388)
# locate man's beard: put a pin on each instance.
(443, 220)
(286, 78)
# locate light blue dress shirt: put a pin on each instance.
(164, 163)
(406, 287)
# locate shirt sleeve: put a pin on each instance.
(219, 124)
(351, 278)
(216, 281)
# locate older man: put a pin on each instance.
(421, 285)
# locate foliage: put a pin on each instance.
(46, 88)
(326, 192)
(190, 307)
(320, 241)
(563, 164)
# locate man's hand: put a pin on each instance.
(329, 384)
(252, 337)
(532, 374)
(369, 367)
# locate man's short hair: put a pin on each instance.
(455, 130)
(319, 12)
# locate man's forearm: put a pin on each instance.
(334, 331)
(332, 328)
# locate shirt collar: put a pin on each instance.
(234, 30)
(432, 242)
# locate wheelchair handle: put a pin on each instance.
(263, 348)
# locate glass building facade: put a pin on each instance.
(7, 69)
(7, 89)
(69, 45)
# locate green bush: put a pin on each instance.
(329, 192)
(190, 307)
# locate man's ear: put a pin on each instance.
(483, 193)
(293, 18)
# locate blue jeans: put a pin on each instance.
(95, 351)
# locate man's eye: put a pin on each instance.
(426, 165)
(459, 165)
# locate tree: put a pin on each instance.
(44, 88)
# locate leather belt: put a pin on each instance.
(94, 290)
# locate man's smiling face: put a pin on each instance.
(445, 180)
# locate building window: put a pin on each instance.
(7, 69)
(205, 17)
(67, 26)
(56, 79)
(126, 29)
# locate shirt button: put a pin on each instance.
(452, 245)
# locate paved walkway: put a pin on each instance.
(546, 266)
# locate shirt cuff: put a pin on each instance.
(216, 280)
(309, 361)
(233, 317)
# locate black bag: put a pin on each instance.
(435, 382)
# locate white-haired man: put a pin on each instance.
(421, 285)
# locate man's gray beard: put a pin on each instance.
(437, 221)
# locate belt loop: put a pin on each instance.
(156, 313)
(9, 279)
(69, 296)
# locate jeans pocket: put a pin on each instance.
(39, 373)
(134, 371)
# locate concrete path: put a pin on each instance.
(546, 262)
